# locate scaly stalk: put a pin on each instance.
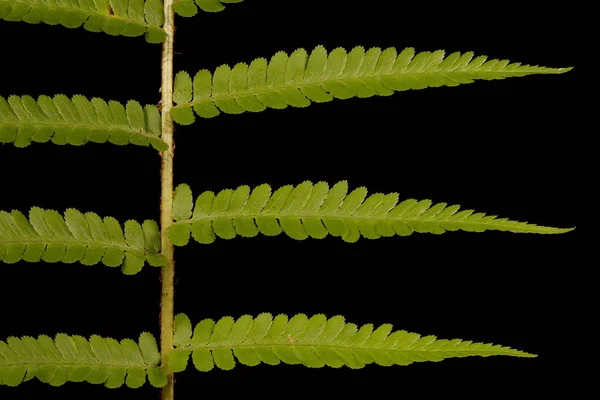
(166, 203)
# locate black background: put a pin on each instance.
(509, 148)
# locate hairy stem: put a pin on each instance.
(166, 202)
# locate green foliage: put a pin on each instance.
(301, 211)
(77, 121)
(315, 211)
(114, 17)
(299, 79)
(182, 203)
(76, 359)
(187, 8)
(77, 237)
(313, 342)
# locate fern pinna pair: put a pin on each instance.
(314, 210)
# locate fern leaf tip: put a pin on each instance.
(548, 230)
(518, 353)
(528, 355)
(564, 70)
(566, 230)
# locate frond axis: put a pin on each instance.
(487, 223)
(517, 70)
(91, 16)
(314, 341)
(492, 349)
(129, 131)
(300, 86)
(79, 242)
(77, 121)
(310, 210)
(77, 237)
(65, 7)
(64, 364)
(73, 358)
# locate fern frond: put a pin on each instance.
(315, 211)
(77, 237)
(313, 342)
(187, 8)
(114, 17)
(299, 79)
(76, 359)
(77, 121)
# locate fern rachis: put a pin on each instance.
(299, 79)
(77, 121)
(301, 211)
(314, 342)
(114, 17)
(316, 211)
(87, 238)
(95, 360)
